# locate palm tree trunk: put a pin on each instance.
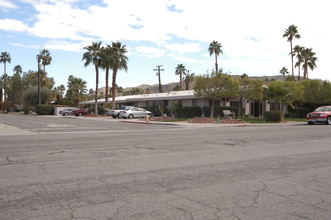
(114, 88)
(180, 80)
(107, 87)
(298, 73)
(216, 64)
(96, 89)
(292, 59)
(4, 89)
(1, 99)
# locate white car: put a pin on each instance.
(115, 113)
(134, 113)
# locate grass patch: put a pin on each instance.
(296, 119)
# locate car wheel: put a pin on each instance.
(310, 123)
(328, 121)
(131, 116)
(114, 116)
(65, 114)
(80, 114)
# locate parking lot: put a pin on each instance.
(102, 168)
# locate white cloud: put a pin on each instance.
(5, 4)
(65, 46)
(25, 46)
(150, 52)
(13, 25)
(183, 48)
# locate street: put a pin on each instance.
(60, 168)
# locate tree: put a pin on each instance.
(106, 53)
(16, 86)
(76, 89)
(30, 96)
(249, 89)
(316, 92)
(309, 61)
(283, 71)
(215, 85)
(215, 48)
(118, 62)
(58, 93)
(92, 56)
(180, 70)
(4, 58)
(46, 59)
(290, 33)
(188, 79)
(134, 91)
(285, 92)
(297, 52)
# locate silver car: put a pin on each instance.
(134, 113)
(67, 111)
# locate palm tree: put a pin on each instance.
(283, 71)
(297, 52)
(105, 64)
(180, 70)
(92, 55)
(4, 58)
(309, 61)
(215, 48)
(46, 59)
(290, 33)
(76, 89)
(188, 79)
(118, 61)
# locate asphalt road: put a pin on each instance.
(62, 168)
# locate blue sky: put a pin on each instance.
(163, 32)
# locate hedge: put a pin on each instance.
(272, 116)
(44, 109)
(190, 112)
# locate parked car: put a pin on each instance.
(115, 113)
(80, 112)
(320, 115)
(134, 113)
(67, 111)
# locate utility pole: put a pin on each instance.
(159, 75)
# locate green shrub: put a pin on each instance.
(272, 116)
(44, 110)
(190, 112)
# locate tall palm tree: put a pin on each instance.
(180, 70)
(118, 61)
(283, 71)
(297, 52)
(309, 61)
(92, 56)
(46, 59)
(4, 58)
(188, 79)
(215, 48)
(290, 33)
(105, 64)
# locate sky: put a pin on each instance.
(163, 32)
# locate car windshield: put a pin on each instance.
(323, 109)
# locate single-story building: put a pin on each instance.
(188, 99)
